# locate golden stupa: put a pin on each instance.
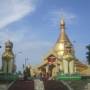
(62, 57)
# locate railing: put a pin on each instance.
(8, 77)
(68, 77)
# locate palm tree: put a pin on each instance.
(88, 54)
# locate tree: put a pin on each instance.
(88, 54)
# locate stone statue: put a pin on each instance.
(8, 65)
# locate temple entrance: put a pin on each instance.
(50, 70)
(47, 71)
(43, 70)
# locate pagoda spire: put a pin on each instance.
(62, 24)
(63, 36)
(63, 40)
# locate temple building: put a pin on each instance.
(8, 63)
(62, 57)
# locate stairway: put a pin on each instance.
(38, 85)
(54, 85)
(22, 85)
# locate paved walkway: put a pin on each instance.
(22, 85)
(38, 85)
(66, 84)
(3, 87)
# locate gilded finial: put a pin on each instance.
(62, 23)
(62, 20)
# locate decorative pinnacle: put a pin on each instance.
(62, 23)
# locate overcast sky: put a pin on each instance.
(33, 27)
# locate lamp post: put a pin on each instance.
(16, 54)
(26, 59)
(0, 64)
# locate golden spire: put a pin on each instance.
(63, 40)
(62, 24)
(63, 36)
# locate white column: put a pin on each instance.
(56, 65)
(75, 68)
(61, 66)
(65, 66)
(71, 67)
(54, 73)
(47, 67)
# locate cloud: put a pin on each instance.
(14, 10)
(26, 41)
(57, 15)
(34, 45)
